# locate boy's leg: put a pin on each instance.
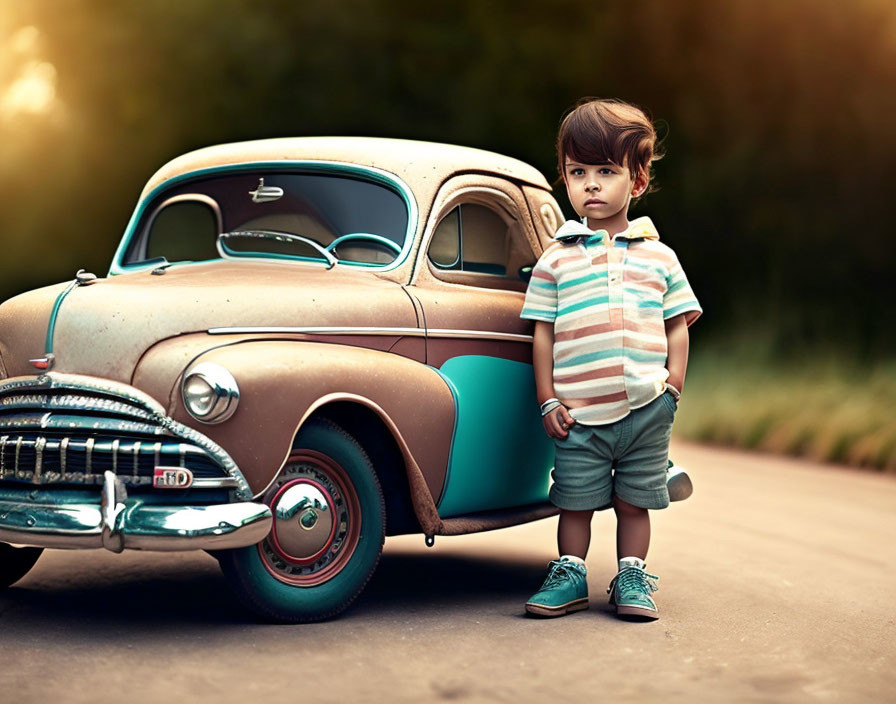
(640, 484)
(574, 532)
(582, 480)
(566, 588)
(631, 588)
(632, 530)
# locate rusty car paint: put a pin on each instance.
(104, 329)
(24, 320)
(266, 371)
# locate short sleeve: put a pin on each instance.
(679, 297)
(541, 296)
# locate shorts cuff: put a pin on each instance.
(644, 498)
(581, 502)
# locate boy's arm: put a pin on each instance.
(677, 342)
(543, 363)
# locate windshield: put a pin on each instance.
(240, 215)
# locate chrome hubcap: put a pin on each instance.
(316, 521)
(303, 520)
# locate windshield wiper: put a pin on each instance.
(281, 237)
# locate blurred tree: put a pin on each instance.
(774, 191)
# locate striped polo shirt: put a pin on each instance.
(608, 298)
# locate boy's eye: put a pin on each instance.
(576, 172)
(606, 171)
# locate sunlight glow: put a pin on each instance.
(29, 82)
(33, 92)
(24, 39)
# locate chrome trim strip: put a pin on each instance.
(136, 458)
(77, 382)
(317, 330)
(39, 446)
(478, 335)
(63, 449)
(50, 403)
(18, 450)
(116, 443)
(86, 423)
(415, 332)
(3, 455)
(88, 452)
(212, 483)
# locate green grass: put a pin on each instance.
(819, 407)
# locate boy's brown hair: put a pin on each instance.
(607, 131)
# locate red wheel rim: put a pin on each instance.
(295, 553)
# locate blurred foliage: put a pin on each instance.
(780, 163)
(826, 408)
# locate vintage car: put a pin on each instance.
(302, 346)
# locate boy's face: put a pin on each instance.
(601, 192)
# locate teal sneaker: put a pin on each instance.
(630, 590)
(565, 590)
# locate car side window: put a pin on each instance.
(444, 249)
(473, 239)
(183, 230)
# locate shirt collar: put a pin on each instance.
(638, 229)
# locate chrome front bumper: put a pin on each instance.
(116, 523)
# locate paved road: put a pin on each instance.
(777, 582)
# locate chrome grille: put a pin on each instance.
(62, 435)
(42, 459)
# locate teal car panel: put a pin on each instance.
(500, 454)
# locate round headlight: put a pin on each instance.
(210, 392)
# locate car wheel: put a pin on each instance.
(15, 563)
(326, 537)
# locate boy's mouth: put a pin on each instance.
(594, 201)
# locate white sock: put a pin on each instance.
(631, 562)
(574, 558)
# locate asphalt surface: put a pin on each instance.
(776, 585)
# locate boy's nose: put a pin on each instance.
(592, 187)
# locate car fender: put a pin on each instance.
(283, 382)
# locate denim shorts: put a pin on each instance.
(628, 459)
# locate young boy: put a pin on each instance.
(611, 306)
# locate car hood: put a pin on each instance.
(103, 329)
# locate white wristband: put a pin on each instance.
(554, 406)
(550, 401)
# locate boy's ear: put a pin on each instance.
(640, 183)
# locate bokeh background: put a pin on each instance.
(775, 190)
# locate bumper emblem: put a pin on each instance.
(172, 478)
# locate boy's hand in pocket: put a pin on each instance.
(558, 422)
